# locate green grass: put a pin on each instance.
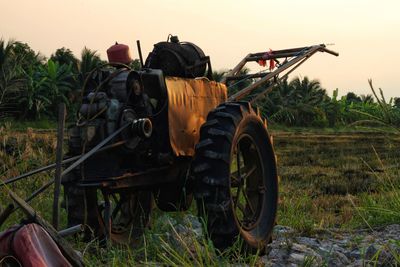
(319, 171)
(16, 125)
(328, 180)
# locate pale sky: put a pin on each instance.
(366, 33)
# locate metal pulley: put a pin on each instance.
(141, 128)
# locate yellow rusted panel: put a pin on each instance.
(189, 102)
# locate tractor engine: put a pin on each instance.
(112, 97)
(166, 103)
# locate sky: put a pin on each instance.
(366, 33)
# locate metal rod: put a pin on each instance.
(79, 161)
(267, 56)
(52, 166)
(82, 158)
(246, 76)
(10, 208)
(296, 55)
(324, 49)
(40, 190)
(140, 53)
(42, 169)
(242, 93)
(236, 69)
(93, 150)
(294, 51)
(269, 88)
(71, 231)
(59, 156)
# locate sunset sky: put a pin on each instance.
(366, 33)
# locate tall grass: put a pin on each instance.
(387, 117)
(382, 206)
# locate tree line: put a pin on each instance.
(303, 102)
(31, 86)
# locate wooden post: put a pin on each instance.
(59, 158)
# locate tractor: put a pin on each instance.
(167, 134)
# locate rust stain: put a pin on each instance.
(190, 101)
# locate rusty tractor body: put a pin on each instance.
(168, 134)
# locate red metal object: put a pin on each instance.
(31, 246)
(119, 53)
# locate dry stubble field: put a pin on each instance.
(325, 176)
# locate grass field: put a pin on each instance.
(324, 174)
(329, 179)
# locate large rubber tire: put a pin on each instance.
(232, 134)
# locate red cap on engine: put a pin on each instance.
(119, 53)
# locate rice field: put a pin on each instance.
(325, 176)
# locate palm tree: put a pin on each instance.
(396, 102)
(5, 51)
(25, 56)
(367, 99)
(352, 98)
(64, 56)
(308, 91)
(89, 61)
(236, 85)
(279, 103)
(10, 78)
(298, 102)
(309, 96)
(217, 75)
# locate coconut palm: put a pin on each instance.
(236, 85)
(367, 99)
(64, 56)
(297, 102)
(279, 104)
(10, 78)
(352, 98)
(25, 56)
(309, 96)
(5, 51)
(308, 91)
(217, 75)
(89, 61)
